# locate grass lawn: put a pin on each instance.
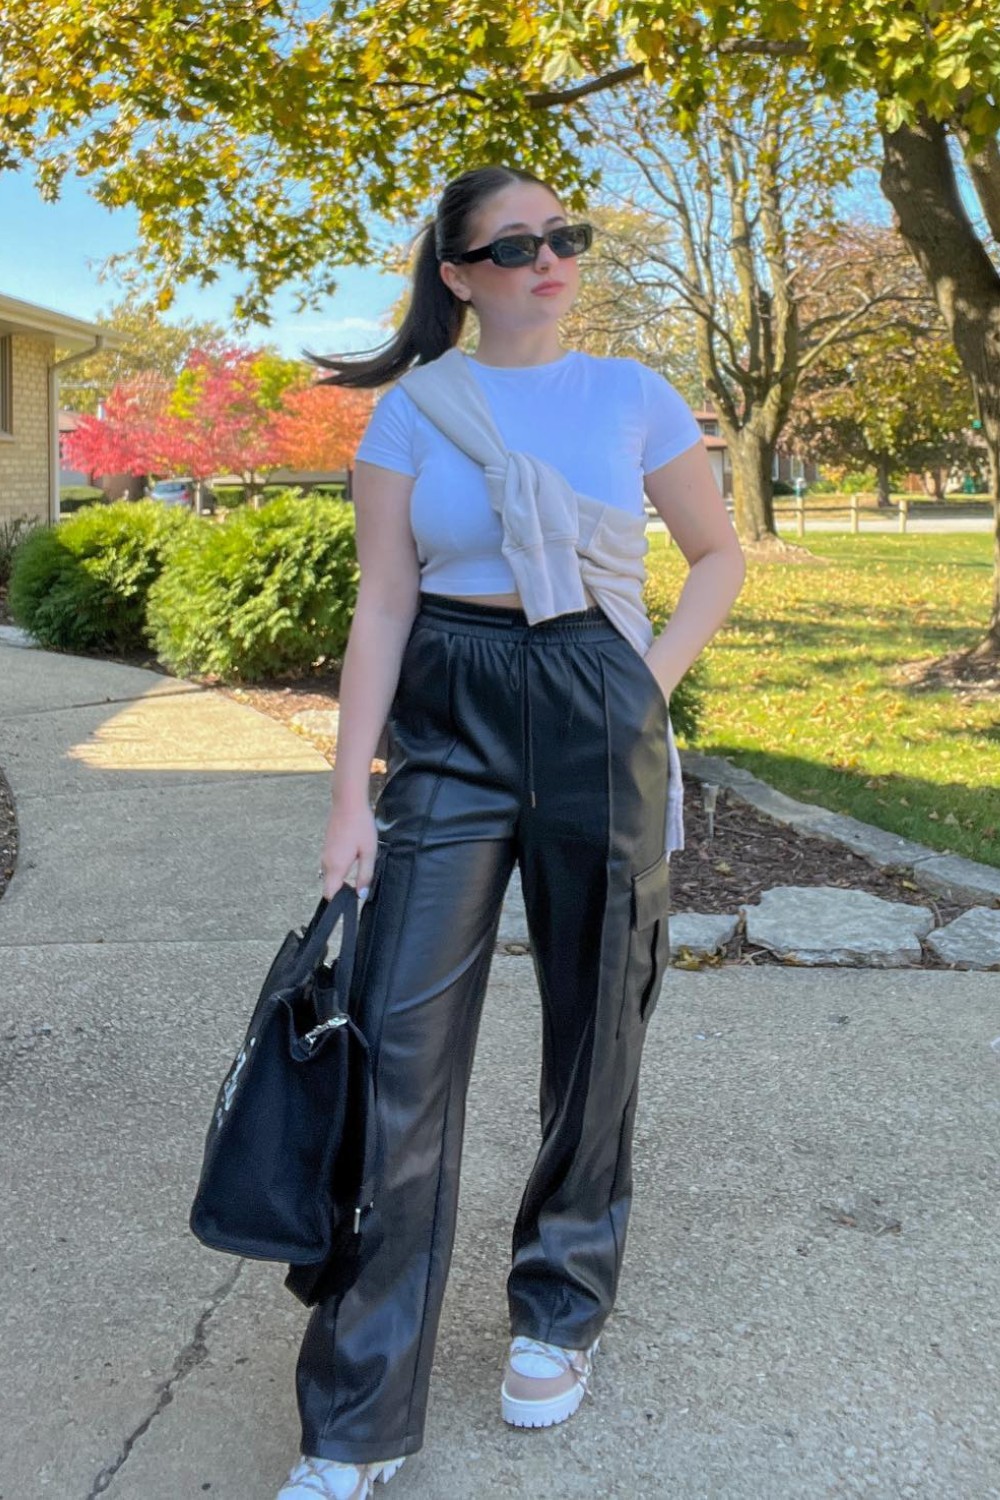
(799, 688)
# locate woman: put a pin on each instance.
(540, 742)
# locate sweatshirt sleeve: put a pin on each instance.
(670, 427)
(388, 438)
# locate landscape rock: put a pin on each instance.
(13, 635)
(957, 878)
(827, 925)
(701, 933)
(971, 941)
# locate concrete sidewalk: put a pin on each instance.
(809, 1301)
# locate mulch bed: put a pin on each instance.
(748, 854)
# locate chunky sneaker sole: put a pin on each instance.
(544, 1383)
(324, 1479)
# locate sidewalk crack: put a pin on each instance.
(194, 1352)
(61, 708)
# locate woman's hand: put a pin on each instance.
(351, 840)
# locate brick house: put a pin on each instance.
(29, 401)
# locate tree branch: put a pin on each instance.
(735, 47)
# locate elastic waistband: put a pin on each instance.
(467, 618)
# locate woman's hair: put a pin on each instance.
(435, 317)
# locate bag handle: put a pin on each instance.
(316, 934)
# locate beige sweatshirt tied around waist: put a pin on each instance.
(557, 542)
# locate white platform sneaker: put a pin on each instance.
(325, 1479)
(544, 1383)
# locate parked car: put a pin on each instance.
(180, 492)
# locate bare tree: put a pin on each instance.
(739, 232)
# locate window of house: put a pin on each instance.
(710, 427)
(6, 383)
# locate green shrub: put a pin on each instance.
(687, 701)
(865, 482)
(268, 593)
(822, 487)
(231, 495)
(73, 496)
(81, 585)
(12, 534)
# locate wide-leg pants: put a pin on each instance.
(542, 744)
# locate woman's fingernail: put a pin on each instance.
(362, 892)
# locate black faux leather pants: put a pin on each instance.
(544, 744)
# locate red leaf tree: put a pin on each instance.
(129, 439)
(320, 427)
(231, 410)
(220, 418)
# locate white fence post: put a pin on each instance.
(904, 506)
(854, 515)
(800, 514)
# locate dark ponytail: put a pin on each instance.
(435, 317)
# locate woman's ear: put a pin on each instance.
(453, 281)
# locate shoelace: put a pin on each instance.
(561, 1359)
(311, 1477)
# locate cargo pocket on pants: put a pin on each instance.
(649, 941)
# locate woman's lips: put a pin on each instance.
(547, 288)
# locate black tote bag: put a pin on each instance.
(290, 1152)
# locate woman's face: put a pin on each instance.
(505, 296)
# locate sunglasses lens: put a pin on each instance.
(514, 250)
(570, 241)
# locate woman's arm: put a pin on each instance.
(685, 494)
(388, 596)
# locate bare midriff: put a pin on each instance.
(510, 601)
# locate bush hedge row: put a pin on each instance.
(265, 592)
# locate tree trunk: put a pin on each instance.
(919, 180)
(753, 497)
(883, 469)
(993, 453)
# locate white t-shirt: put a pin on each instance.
(603, 422)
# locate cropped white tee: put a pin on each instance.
(604, 422)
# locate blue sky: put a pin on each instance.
(50, 254)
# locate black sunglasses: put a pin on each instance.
(565, 241)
